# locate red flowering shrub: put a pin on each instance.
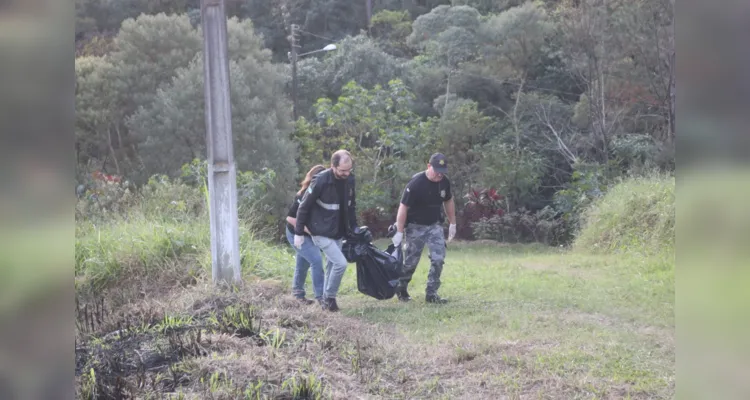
(376, 220)
(480, 204)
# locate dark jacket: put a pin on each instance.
(320, 206)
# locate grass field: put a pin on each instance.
(535, 322)
(523, 322)
(594, 321)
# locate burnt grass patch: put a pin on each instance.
(127, 354)
(254, 342)
(251, 342)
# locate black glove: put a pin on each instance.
(392, 230)
(362, 234)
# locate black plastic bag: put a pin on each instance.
(378, 272)
(355, 246)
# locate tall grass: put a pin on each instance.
(135, 245)
(160, 233)
(141, 246)
(637, 216)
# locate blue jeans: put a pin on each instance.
(336, 263)
(308, 256)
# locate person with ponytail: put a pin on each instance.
(308, 256)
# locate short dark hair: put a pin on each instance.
(340, 155)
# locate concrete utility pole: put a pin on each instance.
(222, 175)
(368, 6)
(293, 59)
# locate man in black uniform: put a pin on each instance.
(328, 211)
(420, 219)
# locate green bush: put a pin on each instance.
(161, 230)
(524, 226)
(133, 247)
(107, 199)
(143, 248)
(164, 198)
(636, 215)
(102, 199)
(257, 197)
(589, 182)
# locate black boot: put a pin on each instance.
(329, 304)
(304, 300)
(403, 295)
(434, 298)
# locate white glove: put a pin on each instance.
(451, 231)
(397, 238)
(298, 240)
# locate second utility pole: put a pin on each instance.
(293, 59)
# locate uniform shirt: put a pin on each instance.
(425, 199)
(293, 212)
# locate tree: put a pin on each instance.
(593, 54)
(550, 124)
(459, 130)
(415, 8)
(387, 138)
(332, 20)
(517, 178)
(171, 129)
(85, 22)
(447, 41)
(149, 50)
(270, 23)
(447, 35)
(97, 121)
(647, 36)
(488, 6)
(427, 27)
(356, 59)
(108, 15)
(390, 29)
(142, 105)
(514, 41)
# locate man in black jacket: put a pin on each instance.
(328, 210)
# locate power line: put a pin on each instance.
(313, 34)
(516, 83)
(554, 91)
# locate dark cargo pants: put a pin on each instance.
(415, 239)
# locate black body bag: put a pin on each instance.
(378, 271)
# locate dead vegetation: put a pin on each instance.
(247, 342)
(178, 338)
(256, 342)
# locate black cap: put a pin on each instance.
(439, 163)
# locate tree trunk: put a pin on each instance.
(112, 150)
(515, 115)
(604, 127)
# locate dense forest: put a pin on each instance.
(540, 106)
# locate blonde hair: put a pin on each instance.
(308, 178)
